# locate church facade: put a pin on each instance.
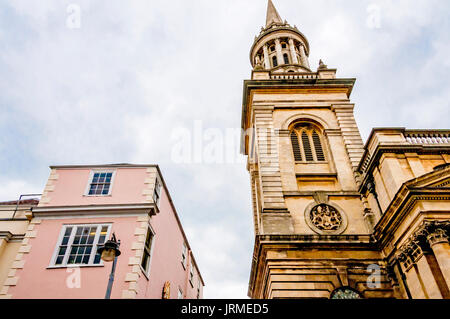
(334, 217)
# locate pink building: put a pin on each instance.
(81, 207)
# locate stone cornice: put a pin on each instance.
(295, 193)
(6, 235)
(429, 233)
(10, 237)
(372, 160)
(332, 242)
(52, 211)
(400, 208)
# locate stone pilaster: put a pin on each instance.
(19, 261)
(350, 133)
(49, 188)
(150, 182)
(275, 216)
(132, 277)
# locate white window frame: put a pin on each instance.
(157, 191)
(70, 243)
(147, 272)
(191, 273)
(91, 177)
(199, 287)
(184, 255)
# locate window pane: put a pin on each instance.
(62, 251)
(71, 259)
(149, 239)
(65, 240)
(97, 259)
(68, 231)
(59, 260)
(145, 260)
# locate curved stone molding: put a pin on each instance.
(305, 117)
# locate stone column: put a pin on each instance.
(278, 50)
(293, 53)
(439, 243)
(303, 57)
(266, 57)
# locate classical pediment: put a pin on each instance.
(439, 178)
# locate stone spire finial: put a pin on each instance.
(272, 15)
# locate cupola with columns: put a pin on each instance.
(281, 51)
(280, 47)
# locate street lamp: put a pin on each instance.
(109, 251)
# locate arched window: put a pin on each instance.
(345, 293)
(274, 61)
(283, 45)
(307, 144)
(286, 58)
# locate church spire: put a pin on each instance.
(272, 15)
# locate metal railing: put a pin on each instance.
(20, 199)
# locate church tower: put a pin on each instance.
(312, 227)
(334, 218)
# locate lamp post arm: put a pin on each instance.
(111, 279)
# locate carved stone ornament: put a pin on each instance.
(326, 219)
(439, 236)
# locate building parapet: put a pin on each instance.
(400, 139)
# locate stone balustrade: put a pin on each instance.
(293, 76)
(427, 137)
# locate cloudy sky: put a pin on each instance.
(120, 87)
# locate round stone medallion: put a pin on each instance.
(325, 219)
